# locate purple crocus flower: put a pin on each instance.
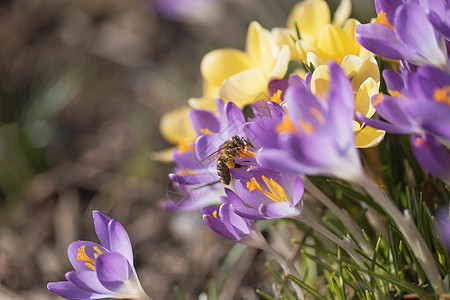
(402, 31)
(419, 103)
(101, 271)
(268, 195)
(432, 156)
(226, 223)
(192, 179)
(316, 136)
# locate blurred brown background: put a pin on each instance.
(82, 87)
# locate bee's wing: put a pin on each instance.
(212, 157)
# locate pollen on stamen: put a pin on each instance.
(442, 95)
(316, 113)
(90, 263)
(419, 141)
(381, 19)
(205, 131)
(276, 97)
(307, 127)
(286, 126)
(378, 99)
(184, 147)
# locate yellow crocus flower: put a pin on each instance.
(242, 77)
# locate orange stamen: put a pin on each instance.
(246, 153)
(442, 95)
(183, 147)
(205, 131)
(381, 19)
(83, 257)
(286, 126)
(419, 141)
(316, 113)
(215, 214)
(275, 193)
(378, 99)
(307, 127)
(276, 97)
(187, 172)
(397, 94)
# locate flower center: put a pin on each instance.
(381, 19)
(442, 95)
(275, 192)
(90, 263)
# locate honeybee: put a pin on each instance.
(226, 157)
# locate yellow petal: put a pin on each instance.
(210, 90)
(369, 137)
(368, 69)
(342, 12)
(164, 155)
(351, 65)
(261, 47)
(310, 16)
(320, 80)
(218, 65)
(175, 125)
(244, 88)
(281, 64)
(365, 92)
(334, 43)
(303, 48)
(283, 36)
(349, 28)
(356, 126)
(203, 103)
(312, 58)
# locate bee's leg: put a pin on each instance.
(236, 165)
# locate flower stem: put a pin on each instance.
(407, 227)
(342, 214)
(344, 244)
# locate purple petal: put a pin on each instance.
(87, 281)
(83, 264)
(277, 210)
(299, 190)
(389, 7)
(281, 160)
(212, 220)
(381, 40)
(101, 221)
(394, 80)
(187, 160)
(202, 119)
(113, 269)
(417, 33)
(235, 119)
(432, 156)
(441, 24)
(67, 290)
(207, 145)
(120, 241)
(277, 84)
(391, 128)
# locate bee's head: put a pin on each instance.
(236, 139)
